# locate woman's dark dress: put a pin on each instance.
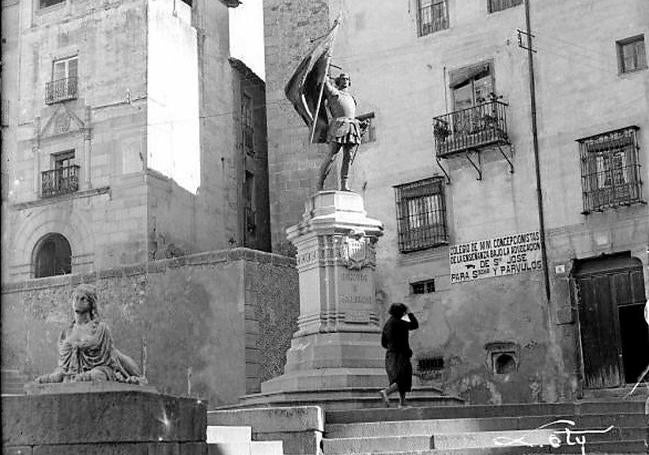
(397, 359)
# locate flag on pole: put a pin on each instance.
(304, 89)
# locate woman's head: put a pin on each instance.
(398, 310)
(84, 299)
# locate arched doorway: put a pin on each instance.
(614, 334)
(52, 256)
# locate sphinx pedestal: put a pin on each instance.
(102, 419)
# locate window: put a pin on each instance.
(247, 130)
(52, 256)
(631, 54)
(610, 171)
(63, 85)
(430, 363)
(47, 3)
(432, 16)
(63, 177)
(422, 287)
(421, 214)
(369, 134)
(499, 5)
(249, 202)
(471, 85)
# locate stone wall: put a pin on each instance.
(292, 161)
(212, 325)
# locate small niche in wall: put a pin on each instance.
(429, 367)
(502, 357)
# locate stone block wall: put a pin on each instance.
(210, 325)
(292, 161)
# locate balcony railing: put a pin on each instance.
(471, 128)
(60, 181)
(61, 90)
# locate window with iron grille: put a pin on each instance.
(422, 287)
(610, 171)
(432, 16)
(421, 214)
(499, 5)
(632, 55)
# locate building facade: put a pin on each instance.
(119, 141)
(525, 291)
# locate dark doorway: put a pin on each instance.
(53, 256)
(614, 334)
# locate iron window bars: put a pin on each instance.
(421, 214)
(432, 16)
(610, 169)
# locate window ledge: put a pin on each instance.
(621, 205)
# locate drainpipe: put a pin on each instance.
(535, 141)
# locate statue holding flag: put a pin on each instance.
(306, 89)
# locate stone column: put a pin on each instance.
(337, 344)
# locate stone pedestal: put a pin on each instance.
(336, 360)
(337, 342)
(102, 418)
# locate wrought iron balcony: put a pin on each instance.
(471, 128)
(60, 181)
(61, 90)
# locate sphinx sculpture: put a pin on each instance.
(86, 350)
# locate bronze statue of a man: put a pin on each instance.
(344, 132)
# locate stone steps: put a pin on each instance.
(349, 398)
(608, 448)
(486, 411)
(443, 426)
(237, 440)
(611, 426)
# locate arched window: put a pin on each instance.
(52, 256)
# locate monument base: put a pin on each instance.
(336, 360)
(99, 421)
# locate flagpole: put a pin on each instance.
(322, 83)
(317, 109)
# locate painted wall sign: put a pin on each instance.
(499, 256)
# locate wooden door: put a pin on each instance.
(614, 335)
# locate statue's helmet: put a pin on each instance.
(342, 76)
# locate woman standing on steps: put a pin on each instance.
(397, 358)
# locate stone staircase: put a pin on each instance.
(237, 440)
(348, 398)
(611, 427)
